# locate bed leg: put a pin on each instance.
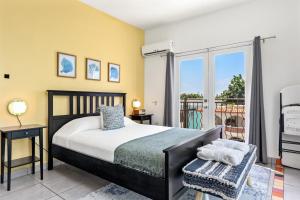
(199, 196)
(50, 161)
(50, 166)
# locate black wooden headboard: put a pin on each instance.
(86, 104)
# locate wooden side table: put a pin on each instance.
(16, 132)
(142, 118)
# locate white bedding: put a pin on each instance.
(84, 136)
(291, 110)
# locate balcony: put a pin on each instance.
(228, 112)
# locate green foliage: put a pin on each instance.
(236, 88)
(184, 96)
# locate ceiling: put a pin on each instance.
(150, 13)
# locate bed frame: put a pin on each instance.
(157, 188)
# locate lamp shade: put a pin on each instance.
(136, 104)
(17, 107)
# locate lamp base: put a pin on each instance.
(20, 123)
(136, 112)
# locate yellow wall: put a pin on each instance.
(32, 31)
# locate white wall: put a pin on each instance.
(281, 66)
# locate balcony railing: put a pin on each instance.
(229, 112)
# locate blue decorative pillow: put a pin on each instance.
(113, 117)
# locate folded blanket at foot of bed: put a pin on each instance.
(221, 154)
(232, 144)
(217, 178)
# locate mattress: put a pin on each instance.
(102, 144)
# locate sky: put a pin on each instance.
(226, 65)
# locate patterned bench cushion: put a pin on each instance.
(217, 178)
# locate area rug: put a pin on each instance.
(264, 184)
(277, 191)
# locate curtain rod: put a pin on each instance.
(209, 50)
(213, 48)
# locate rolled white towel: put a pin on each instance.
(221, 154)
(233, 145)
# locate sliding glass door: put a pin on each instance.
(213, 91)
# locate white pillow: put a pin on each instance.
(101, 121)
(128, 121)
(80, 124)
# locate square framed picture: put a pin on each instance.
(93, 69)
(66, 65)
(113, 72)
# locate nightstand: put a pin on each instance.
(142, 118)
(16, 132)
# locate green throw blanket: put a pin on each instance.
(146, 154)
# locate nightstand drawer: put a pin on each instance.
(25, 133)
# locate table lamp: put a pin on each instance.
(17, 107)
(135, 105)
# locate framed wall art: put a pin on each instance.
(93, 69)
(114, 72)
(66, 65)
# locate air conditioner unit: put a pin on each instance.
(157, 48)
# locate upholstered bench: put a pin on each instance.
(217, 178)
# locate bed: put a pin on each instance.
(141, 158)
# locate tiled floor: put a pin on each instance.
(291, 184)
(66, 182)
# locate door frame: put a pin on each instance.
(208, 58)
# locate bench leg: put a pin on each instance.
(249, 182)
(199, 196)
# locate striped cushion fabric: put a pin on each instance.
(217, 178)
